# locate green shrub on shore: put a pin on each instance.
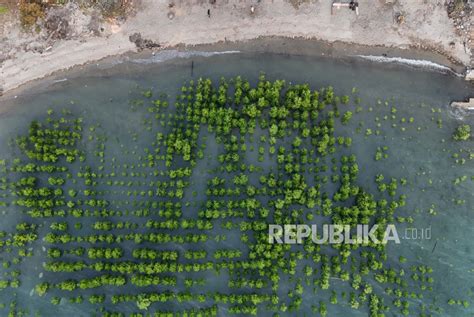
(3, 9)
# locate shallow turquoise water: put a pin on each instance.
(424, 157)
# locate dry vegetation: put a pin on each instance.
(455, 7)
(297, 3)
(30, 12)
(33, 11)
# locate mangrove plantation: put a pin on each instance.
(170, 215)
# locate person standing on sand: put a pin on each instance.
(209, 13)
(353, 5)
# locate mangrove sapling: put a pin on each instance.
(462, 133)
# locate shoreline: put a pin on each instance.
(272, 44)
(317, 47)
(426, 33)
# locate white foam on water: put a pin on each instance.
(417, 63)
(166, 55)
(460, 114)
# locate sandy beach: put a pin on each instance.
(425, 26)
